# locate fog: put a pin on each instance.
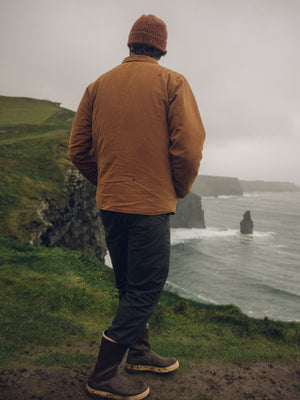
(241, 59)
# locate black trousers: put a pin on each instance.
(139, 247)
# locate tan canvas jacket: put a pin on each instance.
(138, 136)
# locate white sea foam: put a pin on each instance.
(180, 235)
(174, 286)
(262, 234)
(205, 299)
(186, 293)
(252, 194)
(223, 196)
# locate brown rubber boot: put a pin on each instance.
(142, 358)
(107, 381)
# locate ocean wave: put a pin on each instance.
(175, 286)
(276, 290)
(256, 234)
(226, 196)
(205, 299)
(252, 194)
(180, 235)
(182, 292)
(270, 315)
(222, 196)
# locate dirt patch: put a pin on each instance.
(259, 381)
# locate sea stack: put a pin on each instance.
(246, 225)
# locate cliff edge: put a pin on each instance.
(208, 186)
(265, 186)
(44, 200)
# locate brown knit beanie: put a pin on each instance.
(150, 30)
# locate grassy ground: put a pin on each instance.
(55, 304)
(34, 136)
(23, 110)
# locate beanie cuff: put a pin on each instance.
(148, 39)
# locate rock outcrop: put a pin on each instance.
(246, 225)
(189, 213)
(263, 186)
(207, 186)
(74, 220)
(44, 199)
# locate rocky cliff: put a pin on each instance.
(246, 224)
(43, 199)
(207, 186)
(189, 213)
(74, 221)
(263, 186)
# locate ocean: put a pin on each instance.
(260, 273)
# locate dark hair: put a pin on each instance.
(146, 50)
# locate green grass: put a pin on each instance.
(55, 302)
(34, 137)
(50, 296)
(23, 110)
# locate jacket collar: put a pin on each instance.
(139, 58)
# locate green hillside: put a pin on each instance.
(34, 137)
(56, 302)
(22, 110)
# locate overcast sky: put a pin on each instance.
(241, 58)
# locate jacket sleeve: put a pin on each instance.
(187, 136)
(81, 143)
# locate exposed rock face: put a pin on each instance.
(74, 221)
(189, 213)
(246, 225)
(262, 186)
(207, 186)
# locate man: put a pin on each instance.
(138, 136)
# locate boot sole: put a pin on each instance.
(152, 368)
(107, 395)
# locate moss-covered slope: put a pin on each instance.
(33, 157)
